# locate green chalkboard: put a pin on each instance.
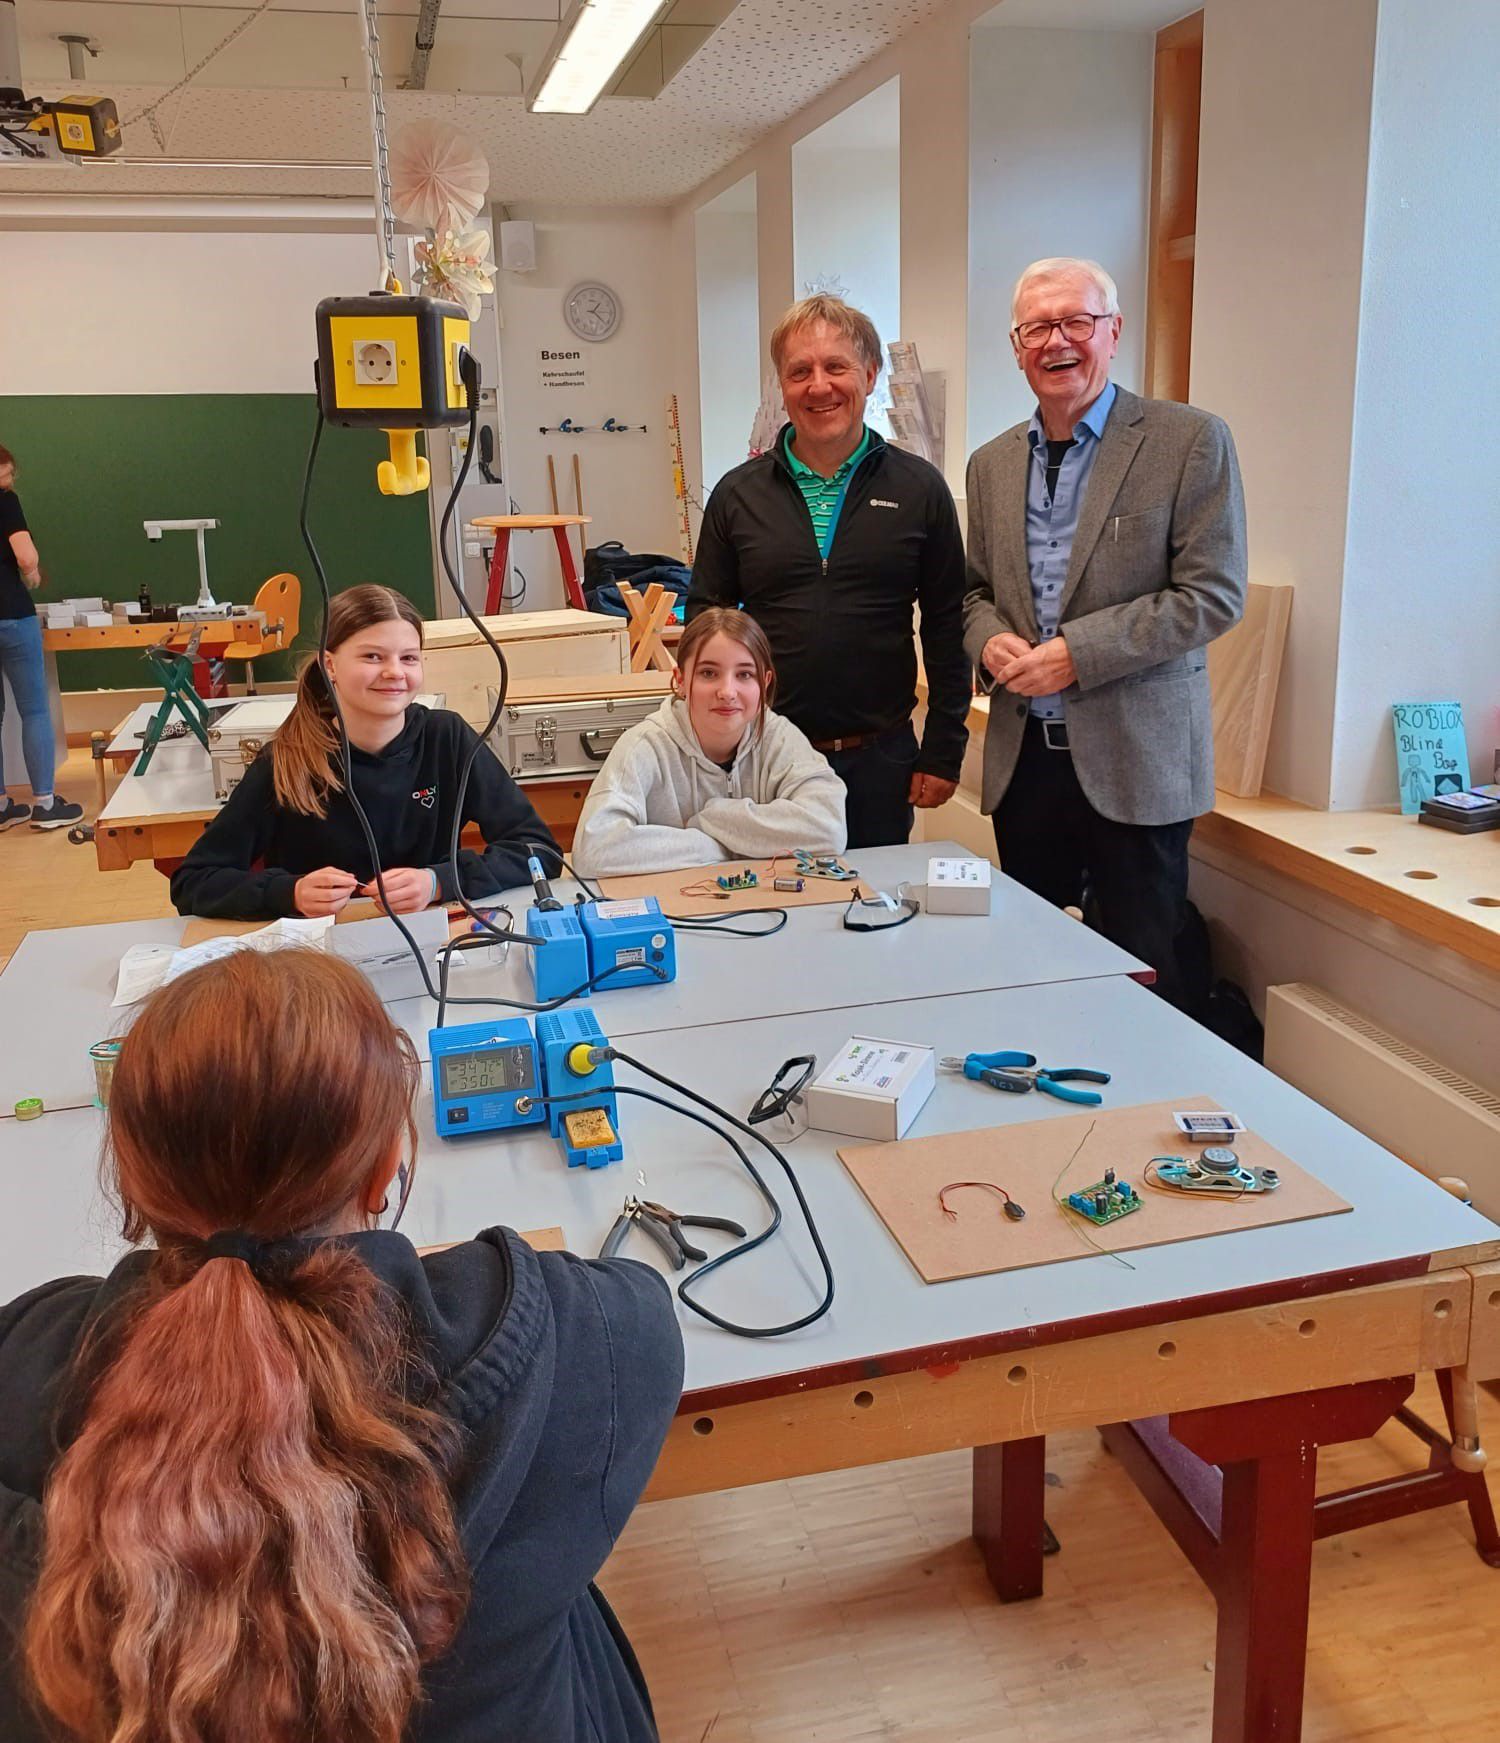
(92, 468)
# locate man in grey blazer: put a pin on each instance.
(1106, 550)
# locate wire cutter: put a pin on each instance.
(665, 1228)
(1018, 1072)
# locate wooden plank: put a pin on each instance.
(1244, 669)
(1484, 1336)
(215, 631)
(525, 523)
(1174, 202)
(1437, 885)
(520, 626)
(1405, 1327)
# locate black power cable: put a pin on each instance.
(469, 370)
(684, 1288)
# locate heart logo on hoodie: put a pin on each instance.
(426, 797)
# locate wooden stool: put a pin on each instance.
(503, 525)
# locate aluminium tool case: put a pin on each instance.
(240, 733)
(543, 739)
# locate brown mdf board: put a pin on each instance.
(902, 1182)
(667, 887)
(1244, 669)
(519, 626)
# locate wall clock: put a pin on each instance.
(592, 311)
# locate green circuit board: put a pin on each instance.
(1106, 1201)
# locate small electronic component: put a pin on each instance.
(1217, 1171)
(744, 880)
(823, 865)
(788, 886)
(1106, 1201)
(1208, 1125)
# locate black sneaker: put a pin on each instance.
(58, 815)
(11, 814)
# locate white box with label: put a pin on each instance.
(958, 886)
(872, 1088)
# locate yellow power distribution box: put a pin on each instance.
(86, 126)
(391, 362)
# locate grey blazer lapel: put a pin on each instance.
(1118, 446)
(1010, 484)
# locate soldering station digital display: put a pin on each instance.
(487, 1069)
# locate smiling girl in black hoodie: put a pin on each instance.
(287, 840)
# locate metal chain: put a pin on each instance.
(149, 112)
(384, 217)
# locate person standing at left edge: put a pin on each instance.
(24, 666)
(1106, 550)
(828, 540)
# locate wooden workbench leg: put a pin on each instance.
(1267, 1450)
(1010, 1484)
(1266, 1535)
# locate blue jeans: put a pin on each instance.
(24, 668)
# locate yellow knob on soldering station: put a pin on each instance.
(580, 1059)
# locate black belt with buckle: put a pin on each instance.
(1054, 733)
(850, 741)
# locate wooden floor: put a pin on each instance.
(48, 881)
(852, 1607)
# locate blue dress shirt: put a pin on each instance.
(1052, 520)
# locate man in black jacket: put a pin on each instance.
(828, 540)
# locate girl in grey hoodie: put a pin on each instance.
(713, 775)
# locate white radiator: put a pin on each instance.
(1438, 1120)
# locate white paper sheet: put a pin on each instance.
(144, 967)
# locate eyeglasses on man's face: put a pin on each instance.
(1032, 335)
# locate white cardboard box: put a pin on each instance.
(958, 886)
(872, 1088)
(381, 954)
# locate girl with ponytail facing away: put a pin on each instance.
(288, 840)
(281, 1477)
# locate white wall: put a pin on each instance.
(932, 65)
(158, 311)
(1056, 166)
(1421, 597)
(728, 328)
(627, 485)
(846, 207)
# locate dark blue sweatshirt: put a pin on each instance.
(564, 1374)
(246, 863)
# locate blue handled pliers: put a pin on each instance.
(1018, 1072)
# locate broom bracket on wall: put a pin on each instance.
(610, 427)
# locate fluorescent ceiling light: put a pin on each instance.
(593, 42)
